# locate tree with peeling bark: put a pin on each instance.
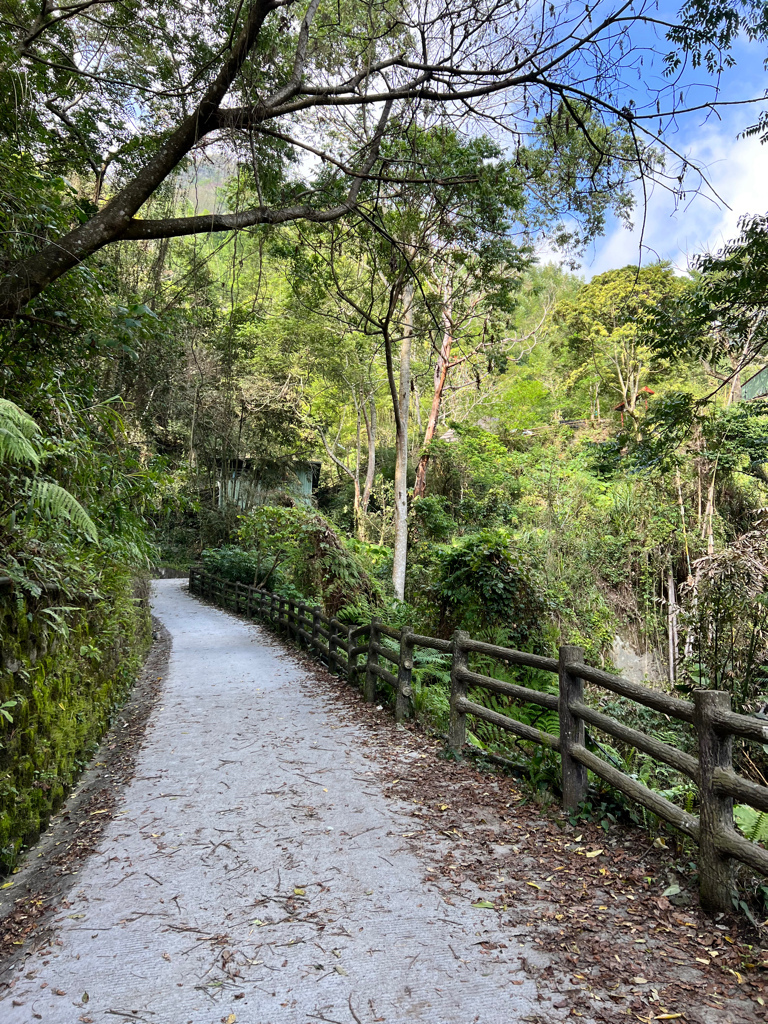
(127, 93)
(470, 329)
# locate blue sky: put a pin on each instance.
(736, 168)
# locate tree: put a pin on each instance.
(608, 329)
(723, 318)
(385, 265)
(475, 300)
(127, 92)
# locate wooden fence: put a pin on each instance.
(709, 714)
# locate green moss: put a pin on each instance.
(68, 670)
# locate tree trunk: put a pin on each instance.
(370, 473)
(441, 374)
(401, 448)
(672, 627)
(356, 477)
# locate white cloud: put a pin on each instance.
(737, 170)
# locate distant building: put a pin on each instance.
(246, 482)
(756, 386)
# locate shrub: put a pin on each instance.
(483, 587)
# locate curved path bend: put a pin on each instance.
(256, 873)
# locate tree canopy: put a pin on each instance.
(307, 97)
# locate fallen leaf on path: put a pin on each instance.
(483, 905)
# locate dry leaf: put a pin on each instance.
(299, 892)
(594, 853)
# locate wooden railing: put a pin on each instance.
(713, 723)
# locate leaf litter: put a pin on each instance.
(596, 903)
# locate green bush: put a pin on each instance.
(432, 519)
(295, 552)
(231, 563)
(483, 587)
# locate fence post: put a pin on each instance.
(315, 628)
(369, 689)
(272, 612)
(332, 647)
(238, 596)
(571, 729)
(404, 670)
(351, 662)
(457, 730)
(300, 623)
(715, 809)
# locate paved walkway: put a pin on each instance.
(257, 874)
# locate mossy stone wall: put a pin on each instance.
(69, 665)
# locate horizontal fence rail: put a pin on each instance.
(714, 725)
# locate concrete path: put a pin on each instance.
(257, 874)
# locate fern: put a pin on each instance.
(17, 430)
(56, 503)
(754, 824)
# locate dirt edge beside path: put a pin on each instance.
(49, 868)
(593, 900)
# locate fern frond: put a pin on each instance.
(11, 416)
(16, 448)
(56, 502)
(754, 824)
(17, 429)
